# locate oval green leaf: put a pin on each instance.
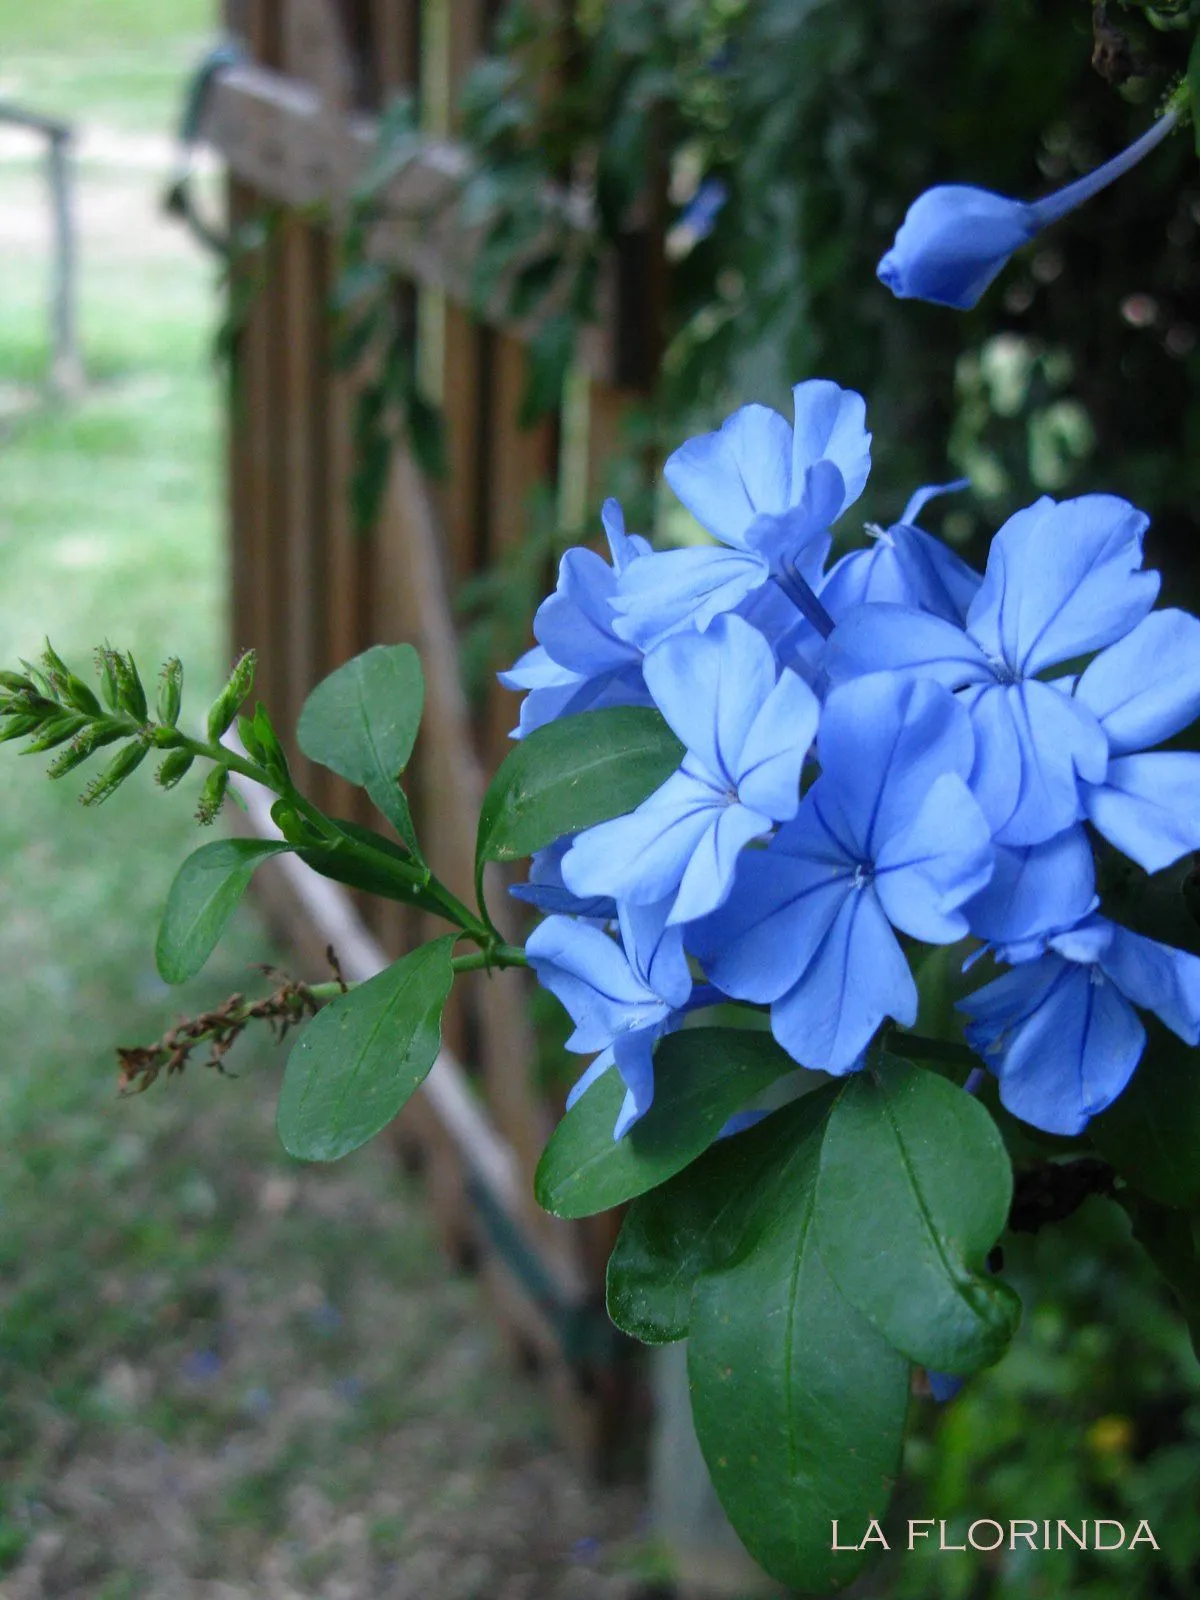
(701, 1077)
(693, 1224)
(914, 1190)
(360, 1058)
(362, 720)
(203, 897)
(799, 1403)
(570, 775)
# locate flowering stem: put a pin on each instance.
(1058, 204)
(416, 878)
(804, 598)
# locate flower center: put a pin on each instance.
(864, 871)
(1002, 671)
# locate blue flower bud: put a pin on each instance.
(956, 239)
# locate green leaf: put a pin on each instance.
(570, 775)
(1152, 1132)
(691, 1225)
(362, 720)
(701, 1077)
(799, 1403)
(361, 1058)
(202, 899)
(915, 1188)
(1172, 1241)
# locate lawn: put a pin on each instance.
(221, 1374)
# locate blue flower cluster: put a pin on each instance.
(886, 752)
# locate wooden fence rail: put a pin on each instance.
(295, 123)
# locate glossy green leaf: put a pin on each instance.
(701, 1077)
(360, 1058)
(362, 720)
(799, 1403)
(570, 775)
(1151, 1134)
(203, 897)
(915, 1188)
(1193, 83)
(691, 1225)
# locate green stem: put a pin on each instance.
(419, 878)
(499, 955)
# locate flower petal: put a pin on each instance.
(623, 547)
(726, 478)
(1146, 687)
(857, 978)
(1157, 977)
(708, 877)
(1149, 806)
(589, 974)
(1036, 889)
(1061, 1039)
(672, 590)
(929, 868)
(643, 856)
(881, 744)
(1061, 580)
(655, 951)
(830, 425)
(634, 1056)
(757, 945)
(574, 624)
(1032, 746)
(711, 687)
(891, 638)
(775, 747)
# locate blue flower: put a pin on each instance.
(1062, 580)
(769, 493)
(579, 663)
(1144, 689)
(888, 836)
(747, 728)
(546, 890)
(1060, 1032)
(621, 997)
(906, 566)
(956, 239)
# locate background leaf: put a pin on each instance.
(701, 1077)
(915, 1188)
(799, 1403)
(203, 897)
(1151, 1134)
(360, 1058)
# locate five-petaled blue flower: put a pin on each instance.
(747, 727)
(1060, 1031)
(621, 997)
(579, 663)
(1062, 580)
(888, 836)
(769, 493)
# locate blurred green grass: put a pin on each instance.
(116, 62)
